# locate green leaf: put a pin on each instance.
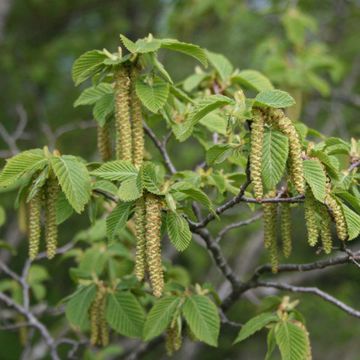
(194, 193)
(292, 340)
(141, 46)
(202, 316)
(92, 94)
(18, 165)
(215, 123)
(74, 180)
(151, 179)
(77, 308)
(38, 183)
(130, 45)
(131, 189)
(120, 170)
(160, 316)
(117, 219)
(316, 178)
(178, 231)
(189, 49)
(193, 81)
(2, 216)
(221, 64)
(153, 95)
(274, 98)
(218, 153)
(255, 324)
(331, 162)
(352, 221)
(103, 108)
(253, 79)
(87, 65)
(63, 209)
(124, 314)
(274, 156)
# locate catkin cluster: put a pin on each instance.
(338, 215)
(104, 142)
(34, 225)
(98, 325)
(311, 218)
(285, 226)
(173, 340)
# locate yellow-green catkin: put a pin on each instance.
(103, 327)
(34, 225)
(285, 216)
(338, 215)
(257, 138)
(98, 325)
(137, 126)
(51, 230)
(104, 142)
(287, 127)
(173, 340)
(153, 243)
(140, 221)
(325, 228)
(311, 220)
(123, 145)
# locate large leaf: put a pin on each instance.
(253, 79)
(117, 219)
(316, 178)
(352, 221)
(160, 316)
(202, 316)
(153, 95)
(292, 340)
(30, 160)
(221, 64)
(74, 180)
(92, 94)
(124, 314)
(274, 156)
(274, 98)
(178, 231)
(87, 65)
(77, 308)
(120, 170)
(255, 324)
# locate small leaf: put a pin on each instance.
(352, 221)
(103, 108)
(197, 195)
(221, 64)
(316, 178)
(92, 94)
(63, 209)
(131, 189)
(178, 230)
(130, 45)
(120, 170)
(253, 79)
(274, 98)
(255, 324)
(152, 180)
(117, 219)
(202, 316)
(218, 153)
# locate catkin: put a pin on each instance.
(325, 228)
(257, 137)
(122, 115)
(137, 126)
(98, 325)
(338, 215)
(285, 216)
(173, 340)
(103, 142)
(103, 327)
(34, 225)
(51, 231)
(153, 246)
(140, 260)
(287, 127)
(311, 218)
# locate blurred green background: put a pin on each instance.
(309, 48)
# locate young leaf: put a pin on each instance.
(253, 79)
(255, 324)
(130, 45)
(316, 178)
(117, 219)
(63, 209)
(218, 153)
(151, 179)
(202, 316)
(74, 180)
(131, 189)
(103, 108)
(178, 230)
(153, 95)
(124, 314)
(197, 195)
(221, 64)
(94, 93)
(274, 156)
(352, 222)
(160, 316)
(274, 98)
(120, 170)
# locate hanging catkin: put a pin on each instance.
(325, 228)
(285, 216)
(137, 126)
(287, 127)
(140, 221)
(51, 231)
(257, 137)
(338, 215)
(173, 340)
(104, 142)
(312, 224)
(153, 246)
(122, 115)
(34, 225)
(98, 325)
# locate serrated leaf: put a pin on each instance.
(18, 165)
(92, 94)
(202, 316)
(38, 183)
(151, 180)
(331, 162)
(131, 189)
(352, 221)
(178, 231)
(193, 81)
(120, 170)
(154, 95)
(74, 180)
(196, 194)
(316, 178)
(354, 201)
(274, 98)
(292, 341)
(160, 316)
(124, 314)
(253, 79)
(255, 324)
(221, 64)
(274, 156)
(130, 45)
(117, 219)
(63, 209)
(77, 307)
(103, 108)
(87, 65)
(146, 45)
(218, 153)
(105, 185)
